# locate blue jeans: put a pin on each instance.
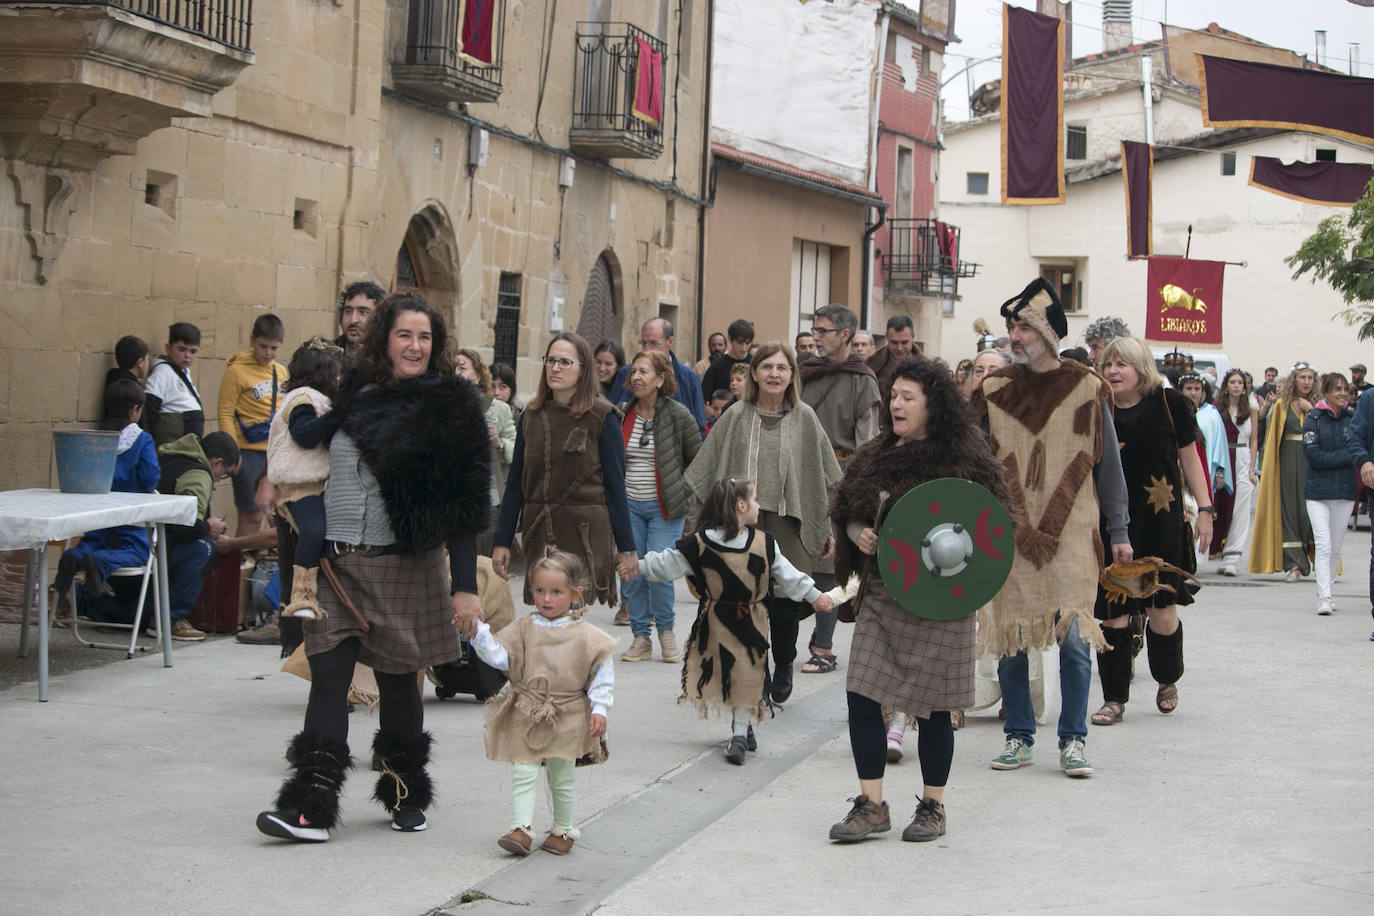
(651, 602)
(187, 562)
(1075, 674)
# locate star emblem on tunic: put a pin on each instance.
(1161, 493)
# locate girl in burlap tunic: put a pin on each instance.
(731, 564)
(553, 711)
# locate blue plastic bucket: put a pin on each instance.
(85, 459)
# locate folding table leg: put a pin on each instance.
(164, 599)
(44, 625)
(28, 602)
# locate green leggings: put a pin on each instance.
(560, 781)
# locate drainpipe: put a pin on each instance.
(874, 122)
(702, 193)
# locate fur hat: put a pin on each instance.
(1038, 306)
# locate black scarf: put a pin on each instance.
(425, 440)
(888, 463)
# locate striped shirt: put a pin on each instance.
(640, 484)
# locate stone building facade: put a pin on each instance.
(164, 171)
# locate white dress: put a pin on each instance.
(1238, 537)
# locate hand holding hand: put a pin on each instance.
(628, 568)
(868, 541)
(598, 725)
(466, 613)
(500, 562)
(824, 605)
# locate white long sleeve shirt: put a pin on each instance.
(494, 654)
(670, 564)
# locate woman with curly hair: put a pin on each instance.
(406, 479)
(921, 667)
(1283, 539)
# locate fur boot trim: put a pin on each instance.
(320, 768)
(404, 782)
(1165, 654)
(305, 601)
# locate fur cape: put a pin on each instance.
(425, 441)
(888, 463)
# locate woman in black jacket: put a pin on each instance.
(1330, 491)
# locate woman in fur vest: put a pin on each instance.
(921, 667)
(409, 471)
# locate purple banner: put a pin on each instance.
(1138, 170)
(1032, 108)
(1240, 93)
(1333, 184)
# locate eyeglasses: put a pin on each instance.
(648, 431)
(651, 344)
(560, 362)
(821, 332)
(775, 367)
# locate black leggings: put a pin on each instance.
(308, 514)
(402, 713)
(868, 739)
(784, 622)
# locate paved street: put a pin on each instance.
(134, 791)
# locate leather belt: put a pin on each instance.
(364, 550)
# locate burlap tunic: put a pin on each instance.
(565, 494)
(726, 660)
(1046, 430)
(544, 711)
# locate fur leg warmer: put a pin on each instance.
(404, 782)
(1114, 665)
(1166, 655)
(305, 602)
(320, 767)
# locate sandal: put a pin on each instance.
(1165, 694)
(1111, 713)
(819, 664)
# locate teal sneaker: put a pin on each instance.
(1016, 754)
(1073, 758)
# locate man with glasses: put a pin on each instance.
(657, 334)
(843, 391)
(356, 303)
(741, 335)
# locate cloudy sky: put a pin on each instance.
(1285, 25)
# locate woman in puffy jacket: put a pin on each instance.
(1330, 491)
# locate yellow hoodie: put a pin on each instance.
(245, 396)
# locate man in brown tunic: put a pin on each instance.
(1049, 424)
(901, 343)
(843, 391)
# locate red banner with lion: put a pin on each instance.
(1183, 301)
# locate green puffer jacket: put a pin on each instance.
(676, 441)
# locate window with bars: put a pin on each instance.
(1076, 142)
(507, 320)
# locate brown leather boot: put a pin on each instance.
(305, 602)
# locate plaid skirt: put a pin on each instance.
(909, 663)
(406, 602)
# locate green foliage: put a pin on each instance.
(1341, 253)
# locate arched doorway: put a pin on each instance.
(601, 318)
(426, 261)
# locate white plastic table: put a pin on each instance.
(29, 519)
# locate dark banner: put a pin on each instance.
(648, 103)
(1333, 184)
(1138, 172)
(476, 30)
(1241, 93)
(1032, 108)
(1183, 301)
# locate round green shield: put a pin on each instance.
(945, 549)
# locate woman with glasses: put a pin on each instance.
(1282, 538)
(661, 439)
(566, 485)
(771, 436)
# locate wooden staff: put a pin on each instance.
(328, 569)
(853, 614)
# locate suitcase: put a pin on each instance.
(465, 674)
(217, 608)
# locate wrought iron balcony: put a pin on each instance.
(229, 22)
(453, 51)
(618, 104)
(923, 257)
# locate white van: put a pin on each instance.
(1218, 363)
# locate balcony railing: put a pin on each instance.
(229, 22)
(923, 257)
(449, 58)
(605, 122)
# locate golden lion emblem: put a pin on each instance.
(1176, 297)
